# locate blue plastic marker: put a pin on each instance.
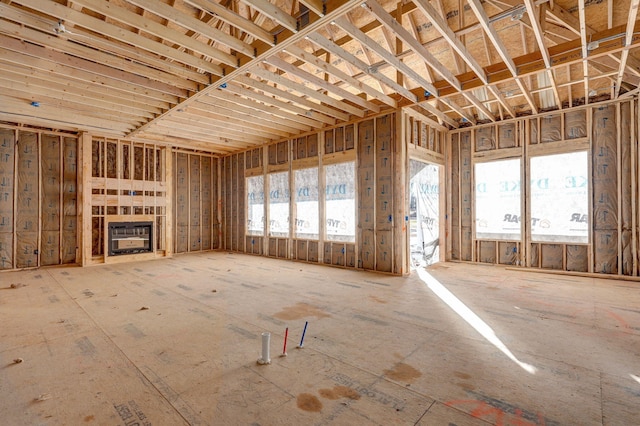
(303, 333)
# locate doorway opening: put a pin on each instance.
(424, 213)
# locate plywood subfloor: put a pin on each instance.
(456, 344)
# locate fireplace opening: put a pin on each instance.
(130, 238)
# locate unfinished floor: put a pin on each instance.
(456, 344)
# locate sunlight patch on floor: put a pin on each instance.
(470, 317)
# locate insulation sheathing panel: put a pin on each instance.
(282, 248)
(575, 124)
(455, 191)
(384, 253)
(27, 203)
(273, 247)
(605, 190)
(367, 252)
(27, 249)
(301, 147)
(242, 210)
(577, 258)
(507, 135)
(112, 159)
(313, 251)
(327, 253)
(97, 235)
(50, 248)
(69, 200)
(487, 252)
(533, 131)
(182, 238)
(338, 254)
(550, 128)
(328, 141)
(535, 255)
(301, 250)
(312, 145)
(194, 203)
(50, 225)
(216, 206)
(181, 189)
(339, 139)
(207, 202)
(349, 138)
(508, 253)
(465, 195)
(551, 256)
(7, 168)
(626, 200)
(351, 255)
(606, 251)
(228, 203)
(485, 138)
(233, 207)
(6, 250)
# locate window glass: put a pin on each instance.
(340, 202)
(255, 205)
(306, 203)
(560, 198)
(279, 204)
(497, 206)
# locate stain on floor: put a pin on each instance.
(402, 372)
(308, 402)
(300, 311)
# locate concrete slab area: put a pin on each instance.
(455, 344)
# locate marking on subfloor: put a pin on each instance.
(377, 283)
(85, 346)
(499, 412)
(338, 392)
(372, 320)
(378, 300)
(241, 331)
(368, 391)
(417, 317)
(347, 284)
(130, 414)
(158, 292)
(185, 287)
(249, 286)
(54, 299)
(134, 331)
